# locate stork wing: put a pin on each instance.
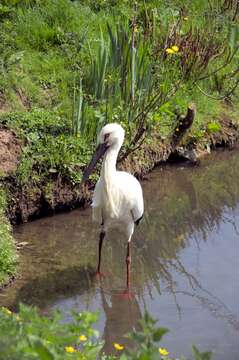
(138, 209)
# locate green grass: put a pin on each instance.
(8, 257)
(43, 48)
(46, 47)
(50, 147)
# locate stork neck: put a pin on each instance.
(109, 164)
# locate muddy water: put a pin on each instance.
(185, 267)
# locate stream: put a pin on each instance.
(185, 262)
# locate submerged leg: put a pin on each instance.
(127, 293)
(102, 235)
(130, 230)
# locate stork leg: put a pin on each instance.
(128, 263)
(102, 235)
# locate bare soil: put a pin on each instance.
(10, 150)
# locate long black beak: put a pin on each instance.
(100, 151)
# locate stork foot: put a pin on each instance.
(99, 275)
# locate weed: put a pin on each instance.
(27, 335)
(8, 257)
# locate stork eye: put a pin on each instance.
(106, 137)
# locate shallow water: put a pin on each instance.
(185, 259)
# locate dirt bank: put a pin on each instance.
(29, 202)
(10, 150)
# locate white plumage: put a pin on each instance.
(118, 199)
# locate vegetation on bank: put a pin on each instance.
(27, 335)
(70, 66)
(8, 257)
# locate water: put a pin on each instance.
(184, 262)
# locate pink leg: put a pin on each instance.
(127, 293)
(128, 262)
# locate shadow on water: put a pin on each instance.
(42, 291)
(184, 259)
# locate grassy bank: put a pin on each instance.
(8, 256)
(69, 67)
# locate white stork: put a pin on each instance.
(118, 198)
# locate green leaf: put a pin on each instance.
(201, 356)
(145, 357)
(123, 357)
(159, 333)
(62, 339)
(93, 353)
(43, 352)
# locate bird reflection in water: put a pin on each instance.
(122, 316)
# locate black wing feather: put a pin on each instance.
(138, 220)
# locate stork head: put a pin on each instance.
(111, 136)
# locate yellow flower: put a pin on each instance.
(175, 48)
(6, 310)
(169, 51)
(18, 318)
(177, 129)
(82, 338)
(185, 18)
(163, 351)
(118, 346)
(70, 349)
